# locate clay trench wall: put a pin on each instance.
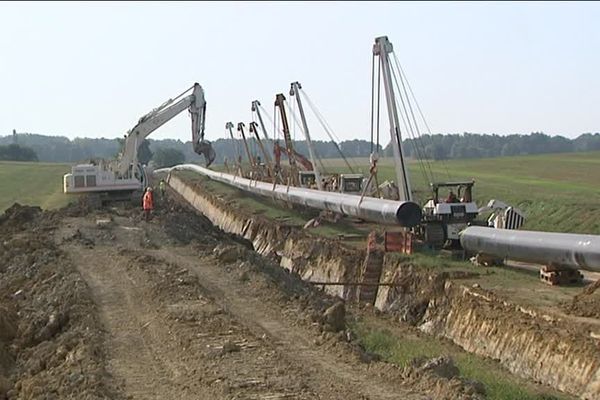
(532, 345)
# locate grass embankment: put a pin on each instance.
(31, 183)
(401, 345)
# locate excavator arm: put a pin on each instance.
(150, 122)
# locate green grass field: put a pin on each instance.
(558, 192)
(36, 184)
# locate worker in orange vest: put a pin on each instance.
(148, 203)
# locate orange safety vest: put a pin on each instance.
(148, 201)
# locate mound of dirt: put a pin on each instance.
(16, 216)
(50, 335)
(586, 303)
(184, 225)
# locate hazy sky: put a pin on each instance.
(92, 69)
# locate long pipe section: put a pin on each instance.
(552, 249)
(407, 214)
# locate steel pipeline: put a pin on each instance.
(557, 249)
(406, 214)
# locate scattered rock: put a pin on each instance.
(334, 317)
(440, 366)
(228, 254)
(103, 223)
(230, 347)
(52, 327)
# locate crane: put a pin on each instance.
(238, 155)
(119, 179)
(294, 91)
(280, 103)
(254, 129)
(240, 128)
(382, 48)
(293, 156)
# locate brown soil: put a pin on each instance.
(104, 305)
(586, 303)
(51, 341)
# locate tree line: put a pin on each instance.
(452, 146)
(469, 145)
(14, 152)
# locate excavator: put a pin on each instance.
(125, 178)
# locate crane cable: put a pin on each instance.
(372, 97)
(422, 162)
(326, 128)
(295, 118)
(276, 128)
(430, 136)
(373, 159)
(417, 139)
(375, 129)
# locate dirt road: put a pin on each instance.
(102, 305)
(183, 323)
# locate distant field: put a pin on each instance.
(558, 192)
(38, 184)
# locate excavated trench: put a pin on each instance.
(530, 343)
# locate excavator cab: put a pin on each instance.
(204, 148)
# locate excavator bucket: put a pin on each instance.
(204, 148)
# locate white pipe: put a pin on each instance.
(553, 249)
(406, 214)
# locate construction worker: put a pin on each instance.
(162, 187)
(148, 203)
(451, 198)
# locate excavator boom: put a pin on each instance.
(126, 174)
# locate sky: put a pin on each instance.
(92, 69)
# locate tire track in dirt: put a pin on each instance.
(288, 340)
(145, 335)
(137, 341)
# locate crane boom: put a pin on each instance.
(240, 128)
(382, 48)
(295, 91)
(254, 129)
(256, 109)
